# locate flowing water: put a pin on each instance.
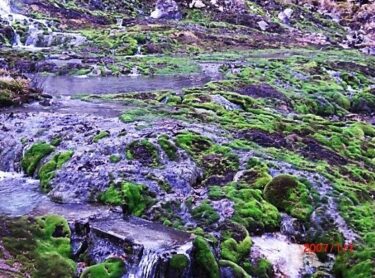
(70, 85)
(39, 32)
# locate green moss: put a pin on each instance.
(34, 155)
(168, 147)
(290, 195)
(143, 151)
(251, 210)
(133, 197)
(238, 270)
(205, 213)
(114, 158)
(100, 136)
(262, 269)
(205, 263)
(193, 143)
(359, 263)
(235, 251)
(110, 268)
(47, 171)
(41, 245)
(179, 262)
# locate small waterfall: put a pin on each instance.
(36, 36)
(119, 22)
(134, 72)
(139, 51)
(147, 266)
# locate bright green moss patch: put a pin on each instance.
(110, 268)
(134, 198)
(204, 260)
(251, 210)
(235, 251)
(193, 143)
(168, 147)
(41, 245)
(205, 213)
(143, 151)
(100, 136)
(290, 195)
(179, 262)
(114, 158)
(47, 171)
(34, 155)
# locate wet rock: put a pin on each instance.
(285, 15)
(166, 9)
(263, 25)
(197, 4)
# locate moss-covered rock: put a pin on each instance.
(110, 268)
(290, 195)
(251, 210)
(204, 262)
(40, 245)
(179, 262)
(168, 147)
(205, 214)
(194, 144)
(143, 151)
(47, 171)
(134, 198)
(34, 155)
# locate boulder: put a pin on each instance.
(166, 9)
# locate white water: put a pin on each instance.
(19, 195)
(288, 259)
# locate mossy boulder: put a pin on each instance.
(256, 178)
(134, 198)
(110, 268)
(205, 214)
(363, 103)
(177, 265)
(193, 143)
(289, 194)
(143, 151)
(41, 245)
(48, 170)
(204, 262)
(34, 155)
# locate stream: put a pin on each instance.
(90, 170)
(20, 195)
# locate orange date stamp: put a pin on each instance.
(327, 247)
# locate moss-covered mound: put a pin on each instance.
(110, 268)
(251, 210)
(48, 170)
(134, 198)
(290, 195)
(34, 155)
(204, 262)
(143, 151)
(41, 246)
